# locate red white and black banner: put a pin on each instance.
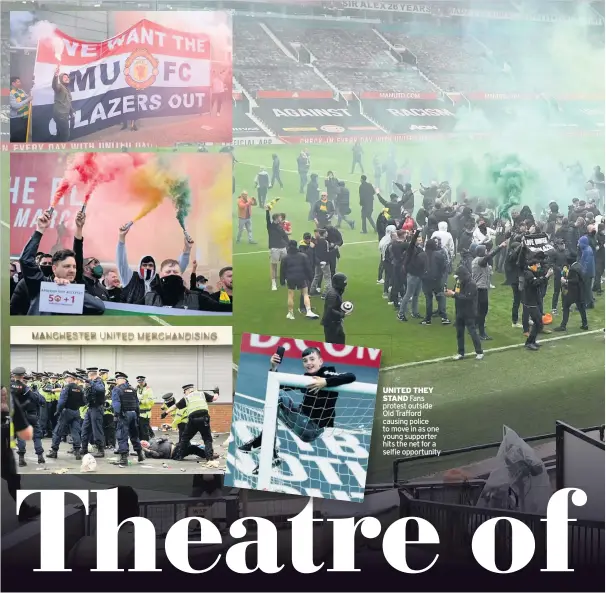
(145, 71)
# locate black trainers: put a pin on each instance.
(531, 347)
(445, 321)
(486, 338)
(584, 327)
(41, 458)
(22, 462)
(560, 328)
(402, 317)
(248, 447)
(426, 322)
(123, 460)
(140, 456)
(100, 452)
(277, 462)
(52, 454)
(77, 455)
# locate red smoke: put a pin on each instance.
(87, 170)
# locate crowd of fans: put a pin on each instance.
(155, 284)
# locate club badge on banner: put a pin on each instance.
(145, 71)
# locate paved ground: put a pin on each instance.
(66, 463)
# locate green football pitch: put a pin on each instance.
(473, 399)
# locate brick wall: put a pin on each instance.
(220, 417)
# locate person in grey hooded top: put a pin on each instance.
(137, 285)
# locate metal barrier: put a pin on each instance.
(495, 445)
(456, 525)
(164, 513)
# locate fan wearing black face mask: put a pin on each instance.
(136, 285)
(93, 272)
(170, 291)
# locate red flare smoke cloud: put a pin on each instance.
(87, 170)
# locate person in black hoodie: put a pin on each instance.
(558, 259)
(465, 295)
(67, 268)
(573, 293)
(342, 205)
(331, 183)
(312, 195)
(534, 281)
(296, 273)
(415, 261)
(275, 171)
(394, 206)
(335, 240)
(332, 320)
(367, 196)
(435, 269)
(397, 251)
(407, 201)
(512, 277)
(170, 291)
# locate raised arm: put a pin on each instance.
(124, 270)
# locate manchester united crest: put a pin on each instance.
(141, 69)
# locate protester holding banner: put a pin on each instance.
(67, 268)
(62, 108)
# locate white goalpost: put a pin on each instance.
(358, 420)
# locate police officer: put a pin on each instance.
(126, 407)
(93, 419)
(70, 401)
(29, 400)
(109, 419)
(146, 403)
(196, 404)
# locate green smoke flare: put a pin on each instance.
(511, 178)
(180, 193)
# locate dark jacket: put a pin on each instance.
(574, 290)
(332, 187)
(321, 251)
(533, 287)
(333, 314)
(415, 259)
(320, 406)
(436, 266)
(512, 266)
(466, 295)
(278, 237)
(34, 277)
(367, 195)
(308, 252)
(295, 268)
(313, 190)
(394, 207)
(342, 201)
(323, 212)
(20, 300)
(196, 301)
(95, 288)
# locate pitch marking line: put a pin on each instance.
(159, 321)
(499, 349)
(266, 251)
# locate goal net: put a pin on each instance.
(333, 465)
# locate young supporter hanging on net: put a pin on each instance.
(309, 419)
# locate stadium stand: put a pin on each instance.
(259, 64)
(353, 59)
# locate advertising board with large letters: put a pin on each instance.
(414, 116)
(314, 117)
(145, 71)
(243, 125)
